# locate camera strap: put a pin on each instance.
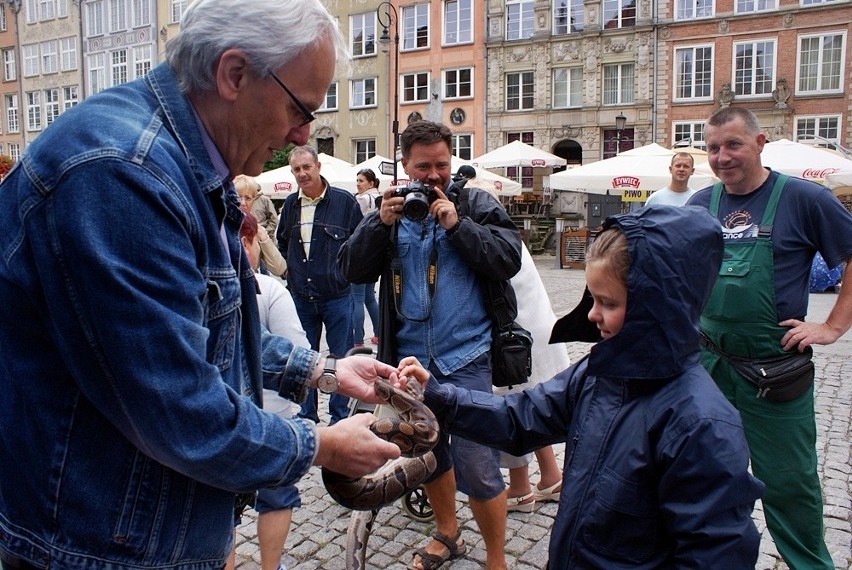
(396, 272)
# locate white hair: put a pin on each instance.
(272, 33)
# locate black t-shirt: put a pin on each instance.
(809, 218)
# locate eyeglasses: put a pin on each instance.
(247, 198)
(307, 116)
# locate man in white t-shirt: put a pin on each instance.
(678, 190)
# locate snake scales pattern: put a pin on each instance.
(415, 431)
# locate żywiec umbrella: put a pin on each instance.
(278, 183)
(517, 153)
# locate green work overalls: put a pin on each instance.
(741, 318)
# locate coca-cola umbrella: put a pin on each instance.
(797, 159)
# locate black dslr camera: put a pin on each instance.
(417, 199)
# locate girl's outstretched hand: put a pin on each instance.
(410, 369)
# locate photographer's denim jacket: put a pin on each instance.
(127, 333)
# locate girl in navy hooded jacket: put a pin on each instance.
(656, 462)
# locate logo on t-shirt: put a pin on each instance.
(738, 225)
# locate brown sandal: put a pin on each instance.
(430, 561)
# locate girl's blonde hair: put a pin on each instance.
(243, 182)
(610, 250)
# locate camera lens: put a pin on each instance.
(415, 207)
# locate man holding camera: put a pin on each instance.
(432, 307)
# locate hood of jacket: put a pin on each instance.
(675, 254)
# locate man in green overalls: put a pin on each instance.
(773, 225)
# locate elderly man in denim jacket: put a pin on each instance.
(130, 342)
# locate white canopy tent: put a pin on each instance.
(840, 182)
(278, 183)
(639, 171)
(517, 153)
(797, 159)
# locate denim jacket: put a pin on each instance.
(128, 331)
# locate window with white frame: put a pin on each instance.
(10, 69)
(619, 14)
(688, 134)
(178, 7)
(3, 22)
(693, 72)
(330, 101)
(95, 18)
(618, 84)
(68, 54)
(70, 96)
(458, 83)
(754, 67)
(458, 22)
(523, 175)
(817, 127)
(365, 149)
(821, 63)
(14, 151)
(51, 105)
(142, 60)
(30, 53)
(31, 11)
(751, 6)
(415, 26)
(520, 91)
(693, 9)
(567, 87)
(362, 93)
(818, 2)
(12, 124)
(117, 15)
(568, 17)
(49, 56)
(463, 146)
(97, 73)
(140, 13)
(362, 32)
(415, 87)
(61, 8)
(520, 19)
(118, 66)
(33, 110)
(46, 10)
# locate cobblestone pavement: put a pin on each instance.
(318, 533)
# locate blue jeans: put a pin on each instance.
(364, 295)
(336, 315)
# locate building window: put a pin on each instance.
(46, 10)
(49, 57)
(458, 83)
(618, 84)
(141, 60)
(524, 175)
(415, 27)
(463, 146)
(97, 73)
(68, 54)
(3, 23)
(363, 93)
(141, 13)
(458, 22)
(95, 18)
(612, 145)
(14, 151)
(117, 16)
(520, 21)
(689, 134)
(694, 73)
(619, 14)
(415, 87)
(30, 60)
(567, 16)
(12, 125)
(567, 87)
(61, 8)
(325, 145)
(178, 8)
(821, 63)
(33, 110)
(520, 91)
(362, 30)
(750, 6)
(51, 105)
(754, 67)
(70, 96)
(693, 9)
(823, 129)
(330, 101)
(365, 149)
(10, 70)
(118, 66)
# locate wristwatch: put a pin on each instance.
(327, 382)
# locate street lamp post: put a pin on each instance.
(387, 17)
(620, 121)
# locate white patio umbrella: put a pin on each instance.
(642, 170)
(517, 153)
(278, 183)
(797, 159)
(839, 182)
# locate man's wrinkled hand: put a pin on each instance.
(351, 449)
(804, 334)
(356, 375)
